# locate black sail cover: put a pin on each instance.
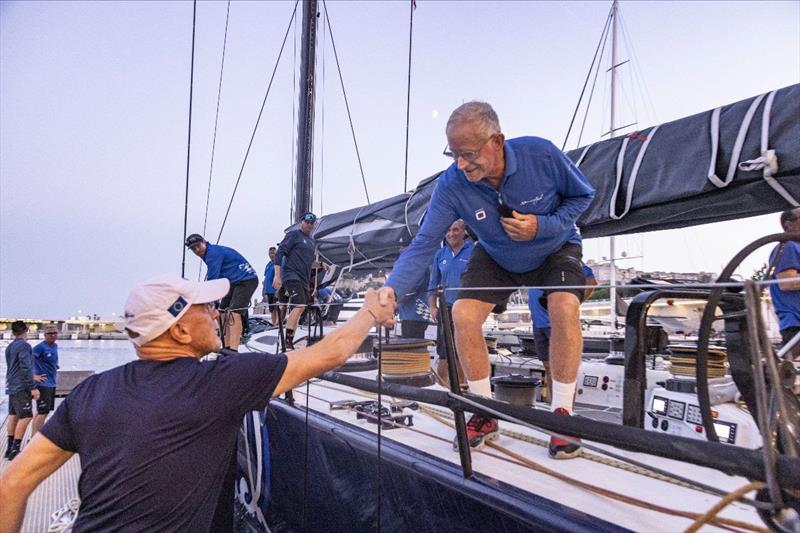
(736, 161)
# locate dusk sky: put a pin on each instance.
(94, 100)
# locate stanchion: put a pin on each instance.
(446, 319)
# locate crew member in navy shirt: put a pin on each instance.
(156, 436)
(223, 262)
(45, 368)
(522, 198)
(542, 329)
(293, 263)
(448, 265)
(269, 291)
(786, 294)
(20, 387)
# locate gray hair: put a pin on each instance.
(479, 113)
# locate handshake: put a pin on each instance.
(380, 304)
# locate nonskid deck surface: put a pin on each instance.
(51, 495)
(519, 457)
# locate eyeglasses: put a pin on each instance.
(466, 155)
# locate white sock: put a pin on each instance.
(481, 387)
(563, 395)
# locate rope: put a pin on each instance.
(520, 460)
(408, 88)
(404, 363)
(188, 145)
(258, 121)
(216, 122)
(612, 494)
(346, 104)
(724, 502)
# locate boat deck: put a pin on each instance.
(51, 495)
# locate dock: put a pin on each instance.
(54, 492)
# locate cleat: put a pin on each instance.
(480, 429)
(559, 448)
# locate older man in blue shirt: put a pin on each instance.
(522, 198)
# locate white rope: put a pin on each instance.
(737, 147)
(583, 155)
(768, 162)
(634, 175)
(62, 520)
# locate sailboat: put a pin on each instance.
(358, 453)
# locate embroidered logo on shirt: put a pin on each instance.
(480, 214)
(533, 200)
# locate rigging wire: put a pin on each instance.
(292, 167)
(412, 4)
(591, 92)
(188, 144)
(258, 121)
(600, 43)
(347, 105)
(637, 66)
(322, 127)
(216, 122)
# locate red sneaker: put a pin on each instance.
(479, 430)
(559, 448)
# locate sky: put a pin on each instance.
(94, 112)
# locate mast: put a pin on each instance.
(612, 267)
(305, 126)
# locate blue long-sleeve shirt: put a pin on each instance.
(538, 179)
(269, 274)
(447, 269)
(45, 361)
(296, 254)
(224, 262)
(19, 367)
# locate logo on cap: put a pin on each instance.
(176, 308)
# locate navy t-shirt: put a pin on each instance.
(786, 303)
(298, 250)
(155, 438)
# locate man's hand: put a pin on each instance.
(520, 227)
(381, 303)
(434, 309)
(38, 378)
(276, 283)
(35, 394)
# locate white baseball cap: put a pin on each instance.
(156, 304)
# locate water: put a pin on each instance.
(97, 355)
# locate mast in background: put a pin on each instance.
(305, 126)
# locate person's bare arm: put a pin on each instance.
(40, 458)
(788, 285)
(336, 347)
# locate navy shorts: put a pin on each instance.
(272, 300)
(238, 297)
(20, 404)
(541, 339)
(295, 292)
(46, 401)
(562, 268)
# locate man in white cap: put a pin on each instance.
(156, 435)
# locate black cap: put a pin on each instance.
(309, 217)
(193, 239)
(18, 326)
